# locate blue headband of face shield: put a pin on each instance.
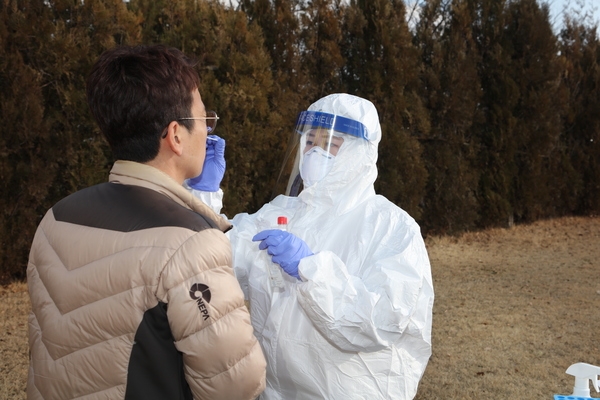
(317, 119)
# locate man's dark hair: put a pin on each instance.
(135, 92)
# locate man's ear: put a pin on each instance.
(172, 140)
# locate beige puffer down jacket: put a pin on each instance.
(133, 296)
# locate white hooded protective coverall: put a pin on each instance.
(358, 323)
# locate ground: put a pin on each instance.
(513, 309)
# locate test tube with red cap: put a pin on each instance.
(282, 223)
(275, 274)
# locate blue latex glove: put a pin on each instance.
(214, 166)
(285, 248)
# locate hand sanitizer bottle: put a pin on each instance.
(583, 373)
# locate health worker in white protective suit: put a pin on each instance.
(341, 301)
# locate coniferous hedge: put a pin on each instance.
(489, 117)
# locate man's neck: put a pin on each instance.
(168, 167)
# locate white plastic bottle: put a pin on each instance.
(275, 273)
(583, 373)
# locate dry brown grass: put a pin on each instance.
(14, 349)
(513, 309)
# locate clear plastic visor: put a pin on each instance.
(328, 140)
(313, 129)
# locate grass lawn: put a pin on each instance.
(513, 309)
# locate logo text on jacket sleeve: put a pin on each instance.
(201, 293)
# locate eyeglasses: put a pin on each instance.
(211, 120)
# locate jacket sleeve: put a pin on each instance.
(392, 296)
(244, 250)
(210, 322)
(212, 199)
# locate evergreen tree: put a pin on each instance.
(154, 21)
(485, 115)
(81, 31)
(26, 170)
(533, 66)
(496, 130)
(451, 94)
(580, 55)
(244, 90)
(279, 21)
(53, 147)
(382, 65)
(237, 82)
(320, 43)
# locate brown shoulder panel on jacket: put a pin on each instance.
(127, 208)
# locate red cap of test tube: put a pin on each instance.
(281, 220)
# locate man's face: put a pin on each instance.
(196, 140)
(322, 138)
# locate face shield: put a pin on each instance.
(312, 149)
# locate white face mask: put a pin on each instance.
(316, 164)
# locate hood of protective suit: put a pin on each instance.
(354, 171)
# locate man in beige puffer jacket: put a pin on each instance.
(132, 289)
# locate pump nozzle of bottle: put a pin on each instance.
(582, 373)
